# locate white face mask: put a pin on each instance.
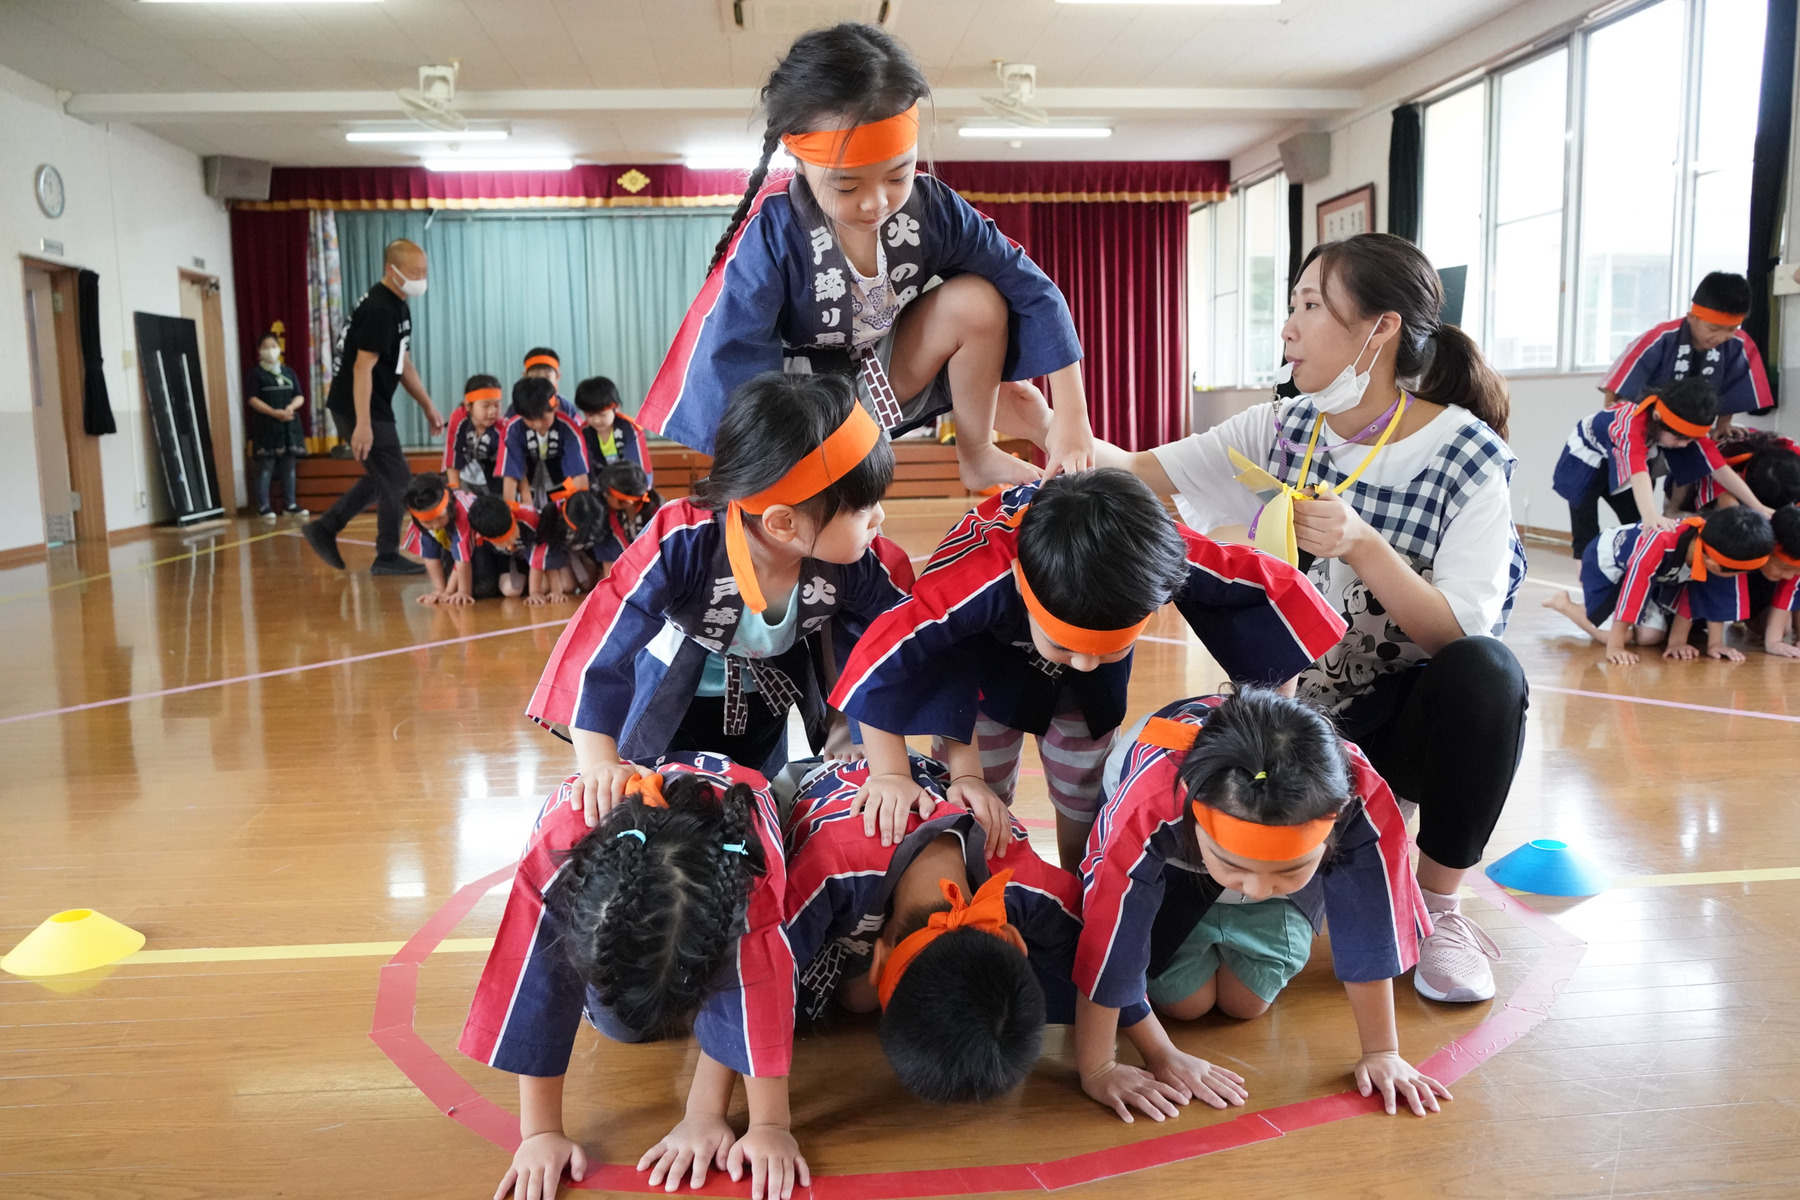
(412, 289)
(1346, 391)
(271, 354)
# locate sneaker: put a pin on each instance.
(267, 514)
(342, 451)
(1453, 961)
(395, 565)
(294, 510)
(323, 543)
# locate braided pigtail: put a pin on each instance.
(760, 173)
(649, 904)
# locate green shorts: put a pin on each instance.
(1265, 944)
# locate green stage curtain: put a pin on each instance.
(606, 290)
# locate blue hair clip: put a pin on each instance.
(636, 833)
(733, 847)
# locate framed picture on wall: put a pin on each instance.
(1347, 215)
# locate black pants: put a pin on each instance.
(703, 729)
(384, 478)
(1447, 735)
(1584, 514)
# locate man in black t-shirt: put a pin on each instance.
(372, 359)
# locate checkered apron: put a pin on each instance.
(1412, 517)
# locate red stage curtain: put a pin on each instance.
(590, 185)
(268, 269)
(1123, 269)
(1089, 182)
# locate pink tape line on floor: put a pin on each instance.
(317, 666)
(1527, 1007)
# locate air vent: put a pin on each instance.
(791, 17)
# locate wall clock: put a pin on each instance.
(50, 194)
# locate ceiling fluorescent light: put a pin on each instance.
(1007, 133)
(1191, 3)
(427, 135)
(498, 164)
(781, 160)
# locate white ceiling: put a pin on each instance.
(1231, 76)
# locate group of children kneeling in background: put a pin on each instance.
(1724, 546)
(535, 501)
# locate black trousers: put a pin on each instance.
(1584, 514)
(1447, 735)
(703, 729)
(384, 478)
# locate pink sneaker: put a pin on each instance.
(1453, 960)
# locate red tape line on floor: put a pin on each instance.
(1528, 1006)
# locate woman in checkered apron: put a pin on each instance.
(1406, 527)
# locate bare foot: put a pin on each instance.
(985, 467)
(1561, 602)
(1021, 411)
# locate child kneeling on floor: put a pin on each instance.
(1252, 794)
(439, 531)
(666, 913)
(515, 555)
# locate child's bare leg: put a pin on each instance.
(961, 325)
(1022, 412)
(511, 585)
(1235, 997)
(1197, 1004)
(1564, 604)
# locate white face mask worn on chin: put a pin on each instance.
(272, 357)
(1343, 393)
(412, 289)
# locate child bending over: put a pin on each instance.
(525, 563)
(439, 532)
(666, 913)
(1252, 796)
(541, 450)
(1024, 622)
(1775, 589)
(1675, 577)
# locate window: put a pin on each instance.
(1455, 143)
(1731, 51)
(1265, 279)
(1199, 276)
(1631, 133)
(1617, 204)
(1525, 288)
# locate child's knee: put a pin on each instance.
(1194, 1005)
(974, 303)
(1235, 999)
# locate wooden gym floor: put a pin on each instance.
(279, 837)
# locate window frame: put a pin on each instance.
(1681, 233)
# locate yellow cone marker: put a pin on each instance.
(77, 939)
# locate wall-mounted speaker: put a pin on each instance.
(1306, 157)
(230, 178)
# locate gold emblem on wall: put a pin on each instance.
(634, 181)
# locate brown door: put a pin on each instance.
(55, 493)
(200, 304)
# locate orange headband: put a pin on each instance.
(1263, 843)
(626, 497)
(435, 511)
(512, 527)
(860, 146)
(1697, 563)
(1782, 556)
(482, 394)
(1100, 642)
(543, 360)
(836, 457)
(1714, 317)
(568, 489)
(648, 787)
(1677, 424)
(986, 912)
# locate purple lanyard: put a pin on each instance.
(1373, 428)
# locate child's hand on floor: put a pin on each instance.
(537, 1167)
(1622, 658)
(1725, 652)
(1198, 1079)
(559, 597)
(1122, 1087)
(1782, 649)
(430, 598)
(885, 802)
(1392, 1075)
(603, 789)
(773, 1157)
(1680, 650)
(991, 813)
(700, 1140)
(534, 599)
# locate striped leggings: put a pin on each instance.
(1073, 762)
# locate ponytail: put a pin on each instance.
(1381, 273)
(1459, 377)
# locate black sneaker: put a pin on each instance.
(323, 543)
(342, 450)
(395, 565)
